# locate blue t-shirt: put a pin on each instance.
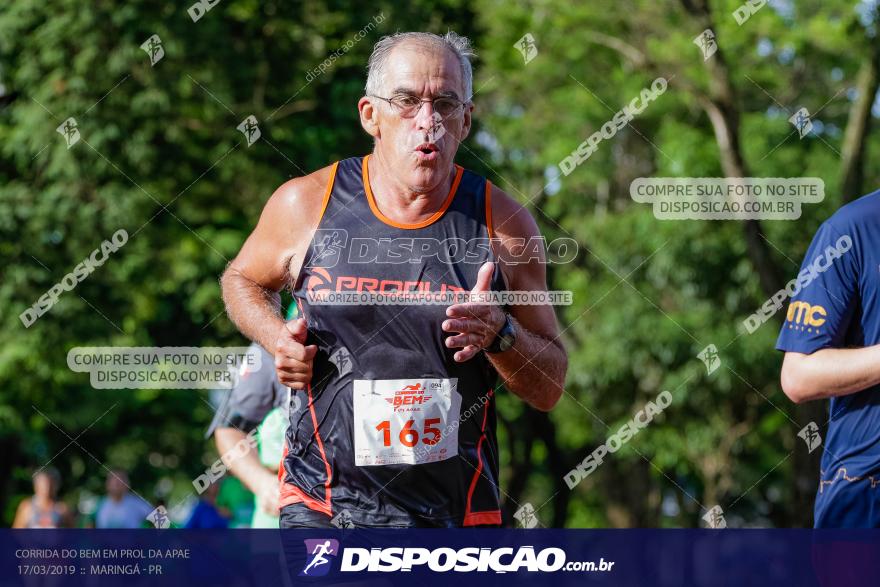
(839, 308)
(206, 515)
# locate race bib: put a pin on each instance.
(405, 421)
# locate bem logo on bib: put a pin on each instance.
(410, 395)
(399, 421)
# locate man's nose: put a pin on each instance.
(425, 116)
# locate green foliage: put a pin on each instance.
(160, 156)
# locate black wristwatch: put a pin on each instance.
(505, 338)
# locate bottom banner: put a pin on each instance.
(469, 557)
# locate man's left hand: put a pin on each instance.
(477, 324)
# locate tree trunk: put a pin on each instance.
(858, 125)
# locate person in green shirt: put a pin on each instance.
(258, 402)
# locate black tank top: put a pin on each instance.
(393, 431)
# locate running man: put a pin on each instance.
(398, 427)
(831, 339)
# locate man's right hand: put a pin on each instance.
(293, 360)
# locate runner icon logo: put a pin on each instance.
(319, 553)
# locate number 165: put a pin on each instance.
(408, 436)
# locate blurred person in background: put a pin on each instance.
(121, 509)
(207, 514)
(43, 510)
(258, 401)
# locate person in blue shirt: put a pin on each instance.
(831, 339)
(206, 514)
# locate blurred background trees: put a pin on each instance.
(160, 156)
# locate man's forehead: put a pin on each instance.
(412, 67)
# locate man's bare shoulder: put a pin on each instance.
(510, 219)
(299, 201)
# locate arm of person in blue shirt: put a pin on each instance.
(817, 365)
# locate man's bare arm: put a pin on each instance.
(534, 368)
(248, 468)
(829, 373)
(271, 258)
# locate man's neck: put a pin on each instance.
(399, 201)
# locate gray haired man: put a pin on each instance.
(399, 429)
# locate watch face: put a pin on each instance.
(507, 336)
(505, 339)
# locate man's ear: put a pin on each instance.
(466, 126)
(369, 117)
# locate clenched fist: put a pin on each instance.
(293, 360)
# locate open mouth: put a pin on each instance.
(427, 150)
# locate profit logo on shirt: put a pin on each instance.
(805, 316)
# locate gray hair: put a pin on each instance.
(460, 46)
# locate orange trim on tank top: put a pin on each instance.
(472, 518)
(434, 217)
(327, 192)
(290, 493)
(488, 199)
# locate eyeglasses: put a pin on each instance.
(409, 106)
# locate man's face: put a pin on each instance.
(116, 484)
(421, 148)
